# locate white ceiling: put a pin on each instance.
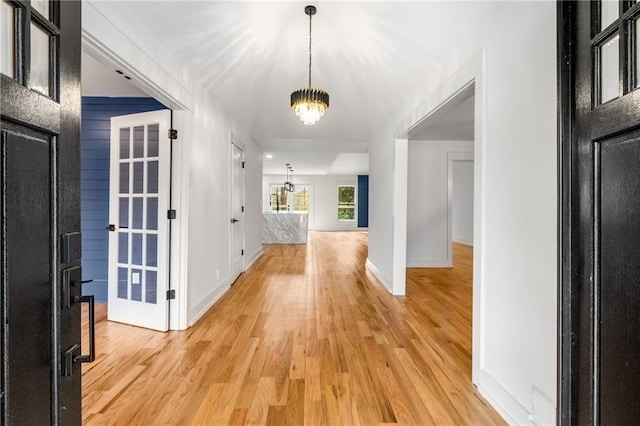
(99, 80)
(374, 59)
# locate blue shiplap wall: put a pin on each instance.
(94, 183)
(363, 201)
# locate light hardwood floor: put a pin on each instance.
(305, 336)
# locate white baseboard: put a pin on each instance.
(502, 401)
(384, 280)
(429, 263)
(202, 308)
(252, 259)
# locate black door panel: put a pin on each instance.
(26, 157)
(40, 169)
(599, 327)
(619, 287)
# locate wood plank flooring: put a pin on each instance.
(306, 336)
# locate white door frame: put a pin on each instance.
(451, 158)
(471, 73)
(235, 141)
(168, 91)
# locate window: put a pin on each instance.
(31, 64)
(7, 36)
(346, 202)
(301, 198)
(277, 197)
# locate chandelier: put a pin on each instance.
(310, 103)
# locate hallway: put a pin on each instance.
(305, 336)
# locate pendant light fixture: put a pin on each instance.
(310, 103)
(288, 185)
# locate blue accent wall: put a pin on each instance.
(363, 201)
(94, 183)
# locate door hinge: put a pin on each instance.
(242, 252)
(171, 294)
(172, 214)
(173, 134)
(242, 209)
(243, 164)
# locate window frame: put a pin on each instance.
(24, 15)
(343, 205)
(294, 194)
(280, 190)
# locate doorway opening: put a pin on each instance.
(465, 85)
(440, 214)
(123, 192)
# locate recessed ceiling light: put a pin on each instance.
(268, 156)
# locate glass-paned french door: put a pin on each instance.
(138, 243)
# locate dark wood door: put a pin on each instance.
(40, 134)
(599, 47)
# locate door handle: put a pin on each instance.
(92, 329)
(234, 220)
(69, 357)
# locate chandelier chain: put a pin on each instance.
(310, 50)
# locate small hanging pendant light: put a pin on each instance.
(310, 103)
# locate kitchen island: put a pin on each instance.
(284, 227)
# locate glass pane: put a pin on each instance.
(136, 285)
(152, 213)
(41, 6)
(123, 213)
(124, 178)
(301, 199)
(152, 184)
(136, 249)
(346, 194)
(152, 250)
(137, 213)
(123, 283)
(138, 178)
(151, 287)
(609, 74)
(609, 12)
(124, 142)
(278, 199)
(123, 247)
(39, 73)
(138, 142)
(7, 34)
(637, 59)
(152, 140)
(346, 213)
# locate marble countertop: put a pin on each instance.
(284, 227)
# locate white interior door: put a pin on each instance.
(138, 204)
(237, 202)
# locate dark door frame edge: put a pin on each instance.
(567, 210)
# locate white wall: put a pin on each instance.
(323, 202)
(515, 357)
(428, 202)
(462, 202)
(201, 163)
(253, 203)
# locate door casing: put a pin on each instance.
(236, 252)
